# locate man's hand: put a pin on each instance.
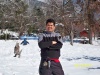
(54, 42)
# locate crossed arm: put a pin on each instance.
(50, 44)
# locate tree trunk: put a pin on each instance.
(71, 35)
(71, 38)
(90, 35)
(89, 17)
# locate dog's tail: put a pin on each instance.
(20, 53)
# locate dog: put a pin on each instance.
(17, 50)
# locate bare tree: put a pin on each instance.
(90, 9)
(14, 13)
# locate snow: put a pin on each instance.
(79, 59)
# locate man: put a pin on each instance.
(50, 44)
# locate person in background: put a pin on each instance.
(25, 42)
(50, 44)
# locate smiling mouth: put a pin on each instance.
(49, 28)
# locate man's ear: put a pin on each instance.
(54, 27)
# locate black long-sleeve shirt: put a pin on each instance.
(47, 48)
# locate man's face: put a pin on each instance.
(50, 27)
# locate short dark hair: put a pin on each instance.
(50, 20)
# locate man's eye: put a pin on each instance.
(49, 25)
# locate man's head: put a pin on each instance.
(50, 25)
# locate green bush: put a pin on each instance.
(5, 36)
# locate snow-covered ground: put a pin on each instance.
(80, 59)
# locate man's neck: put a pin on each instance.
(49, 32)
